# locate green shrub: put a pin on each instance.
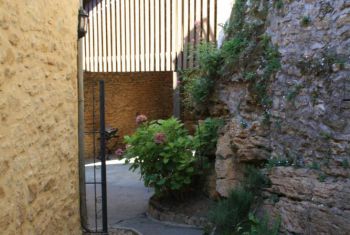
(230, 214)
(322, 177)
(232, 49)
(278, 161)
(163, 152)
(209, 59)
(262, 226)
(236, 21)
(293, 93)
(197, 90)
(254, 180)
(206, 136)
(315, 166)
(345, 164)
(305, 21)
(235, 215)
(199, 81)
(278, 4)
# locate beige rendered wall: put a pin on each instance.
(38, 117)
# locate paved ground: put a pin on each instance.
(127, 202)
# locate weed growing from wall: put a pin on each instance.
(206, 137)
(305, 21)
(236, 214)
(278, 4)
(200, 80)
(247, 51)
(293, 93)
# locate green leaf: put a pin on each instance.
(161, 182)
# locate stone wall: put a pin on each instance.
(38, 113)
(305, 134)
(126, 94)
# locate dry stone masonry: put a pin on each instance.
(305, 136)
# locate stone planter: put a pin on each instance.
(119, 231)
(164, 213)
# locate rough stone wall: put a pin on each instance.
(309, 131)
(38, 113)
(149, 93)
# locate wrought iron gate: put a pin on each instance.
(95, 176)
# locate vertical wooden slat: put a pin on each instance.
(99, 29)
(215, 19)
(87, 41)
(205, 19)
(104, 35)
(198, 20)
(192, 32)
(96, 38)
(212, 20)
(114, 42)
(168, 37)
(147, 35)
(162, 37)
(118, 35)
(123, 36)
(109, 36)
(157, 35)
(95, 45)
(132, 36)
(174, 28)
(142, 35)
(152, 35)
(186, 35)
(180, 33)
(137, 17)
(91, 35)
(198, 25)
(128, 34)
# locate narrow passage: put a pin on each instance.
(127, 202)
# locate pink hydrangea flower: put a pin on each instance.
(119, 152)
(159, 138)
(141, 119)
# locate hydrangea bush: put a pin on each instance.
(163, 151)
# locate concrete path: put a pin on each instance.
(127, 201)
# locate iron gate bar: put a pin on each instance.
(94, 144)
(103, 157)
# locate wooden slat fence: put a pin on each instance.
(146, 35)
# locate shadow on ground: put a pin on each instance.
(127, 201)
